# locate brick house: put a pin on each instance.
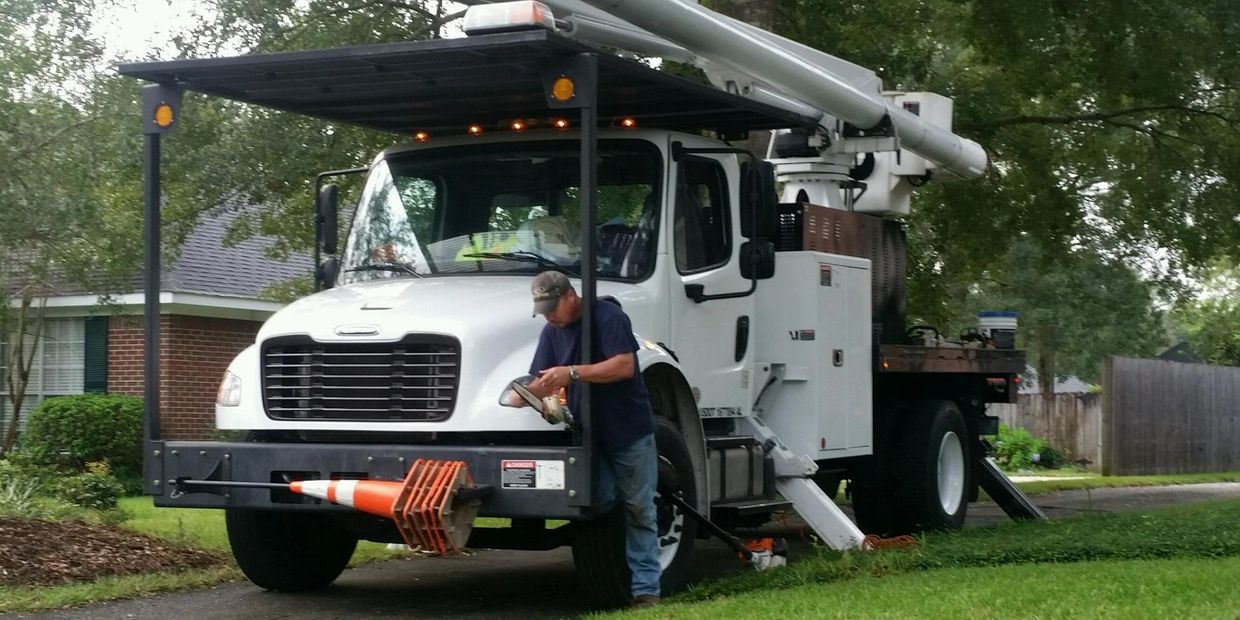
(210, 310)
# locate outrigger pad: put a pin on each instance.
(428, 512)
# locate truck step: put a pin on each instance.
(750, 507)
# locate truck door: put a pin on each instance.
(710, 338)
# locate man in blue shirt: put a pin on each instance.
(626, 459)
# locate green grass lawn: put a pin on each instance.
(204, 529)
(1095, 481)
(1112, 565)
(1181, 588)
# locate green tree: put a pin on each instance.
(1110, 125)
(1075, 309)
(1210, 323)
(45, 50)
(1212, 327)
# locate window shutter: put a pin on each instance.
(96, 366)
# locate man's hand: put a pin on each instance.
(551, 380)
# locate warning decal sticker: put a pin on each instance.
(547, 475)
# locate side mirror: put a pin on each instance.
(325, 218)
(757, 260)
(325, 273)
(758, 196)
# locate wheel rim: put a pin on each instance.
(670, 521)
(951, 473)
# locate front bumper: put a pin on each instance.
(506, 469)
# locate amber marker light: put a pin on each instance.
(561, 123)
(164, 115)
(563, 89)
(421, 136)
(628, 123)
(518, 126)
(475, 130)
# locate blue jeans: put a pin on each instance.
(631, 474)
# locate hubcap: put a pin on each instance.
(951, 473)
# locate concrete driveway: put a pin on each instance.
(524, 584)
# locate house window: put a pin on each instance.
(59, 366)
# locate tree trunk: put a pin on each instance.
(19, 361)
(1046, 368)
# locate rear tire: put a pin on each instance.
(288, 551)
(937, 466)
(598, 545)
(919, 481)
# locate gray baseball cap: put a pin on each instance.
(548, 287)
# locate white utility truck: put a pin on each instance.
(771, 329)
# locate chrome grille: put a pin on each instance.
(413, 380)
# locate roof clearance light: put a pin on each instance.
(421, 136)
(508, 16)
(628, 123)
(475, 130)
(563, 88)
(561, 123)
(518, 125)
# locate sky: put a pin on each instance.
(133, 29)
(144, 29)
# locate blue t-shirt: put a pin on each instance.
(621, 411)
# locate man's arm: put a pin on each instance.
(615, 368)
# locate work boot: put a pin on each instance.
(645, 600)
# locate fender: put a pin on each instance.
(672, 399)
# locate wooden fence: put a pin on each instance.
(1072, 424)
(1162, 417)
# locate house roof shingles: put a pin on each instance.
(206, 266)
(209, 267)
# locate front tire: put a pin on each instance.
(598, 545)
(288, 551)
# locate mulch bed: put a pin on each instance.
(47, 553)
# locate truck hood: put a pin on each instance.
(386, 310)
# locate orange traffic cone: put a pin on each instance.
(375, 497)
(427, 511)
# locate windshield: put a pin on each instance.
(504, 208)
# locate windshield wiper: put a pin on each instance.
(522, 256)
(398, 267)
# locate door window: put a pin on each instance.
(702, 230)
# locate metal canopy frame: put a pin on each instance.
(443, 86)
(433, 86)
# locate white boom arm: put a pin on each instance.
(776, 70)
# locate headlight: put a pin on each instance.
(230, 391)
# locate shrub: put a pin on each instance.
(95, 488)
(17, 495)
(1051, 458)
(76, 430)
(21, 466)
(1016, 448)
